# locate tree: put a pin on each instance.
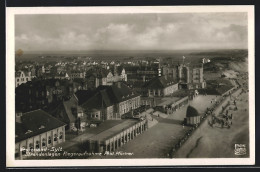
(19, 52)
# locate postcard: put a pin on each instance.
(130, 86)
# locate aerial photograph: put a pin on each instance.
(131, 86)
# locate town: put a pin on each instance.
(130, 83)
(125, 107)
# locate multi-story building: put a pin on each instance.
(143, 72)
(116, 75)
(97, 76)
(35, 131)
(110, 102)
(190, 77)
(183, 73)
(22, 77)
(197, 79)
(72, 114)
(40, 93)
(160, 86)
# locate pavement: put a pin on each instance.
(157, 141)
(220, 142)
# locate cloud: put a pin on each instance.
(131, 31)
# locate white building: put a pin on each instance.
(36, 131)
(22, 77)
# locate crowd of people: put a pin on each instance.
(209, 111)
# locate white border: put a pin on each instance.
(10, 86)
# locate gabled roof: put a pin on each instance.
(160, 82)
(108, 95)
(67, 106)
(19, 73)
(84, 95)
(37, 121)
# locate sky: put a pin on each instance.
(157, 31)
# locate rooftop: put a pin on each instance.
(105, 96)
(34, 123)
(191, 112)
(168, 101)
(114, 130)
(160, 82)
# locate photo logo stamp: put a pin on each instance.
(240, 149)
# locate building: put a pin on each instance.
(143, 72)
(170, 71)
(41, 93)
(117, 136)
(197, 80)
(22, 77)
(160, 86)
(79, 84)
(118, 74)
(62, 75)
(192, 116)
(39, 71)
(171, 105)
(36, 130)
(97, 76)
(72, 114)
(110, 102)
(183, 73)
(77, 74)
(189, 76)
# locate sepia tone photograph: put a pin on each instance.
(158, 85)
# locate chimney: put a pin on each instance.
(18, 117)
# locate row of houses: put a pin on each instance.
(42, 93)
(95, 75)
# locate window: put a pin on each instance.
(96, 116)
(18, 80)
(55, 137)
(26, 79)
(61, 135)
(49, 140)
(23, 151)
(31, 147)
(43, 142)
(37, 146)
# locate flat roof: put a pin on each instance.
(114, 130)
(169, 100)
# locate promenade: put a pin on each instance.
(216, 142)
